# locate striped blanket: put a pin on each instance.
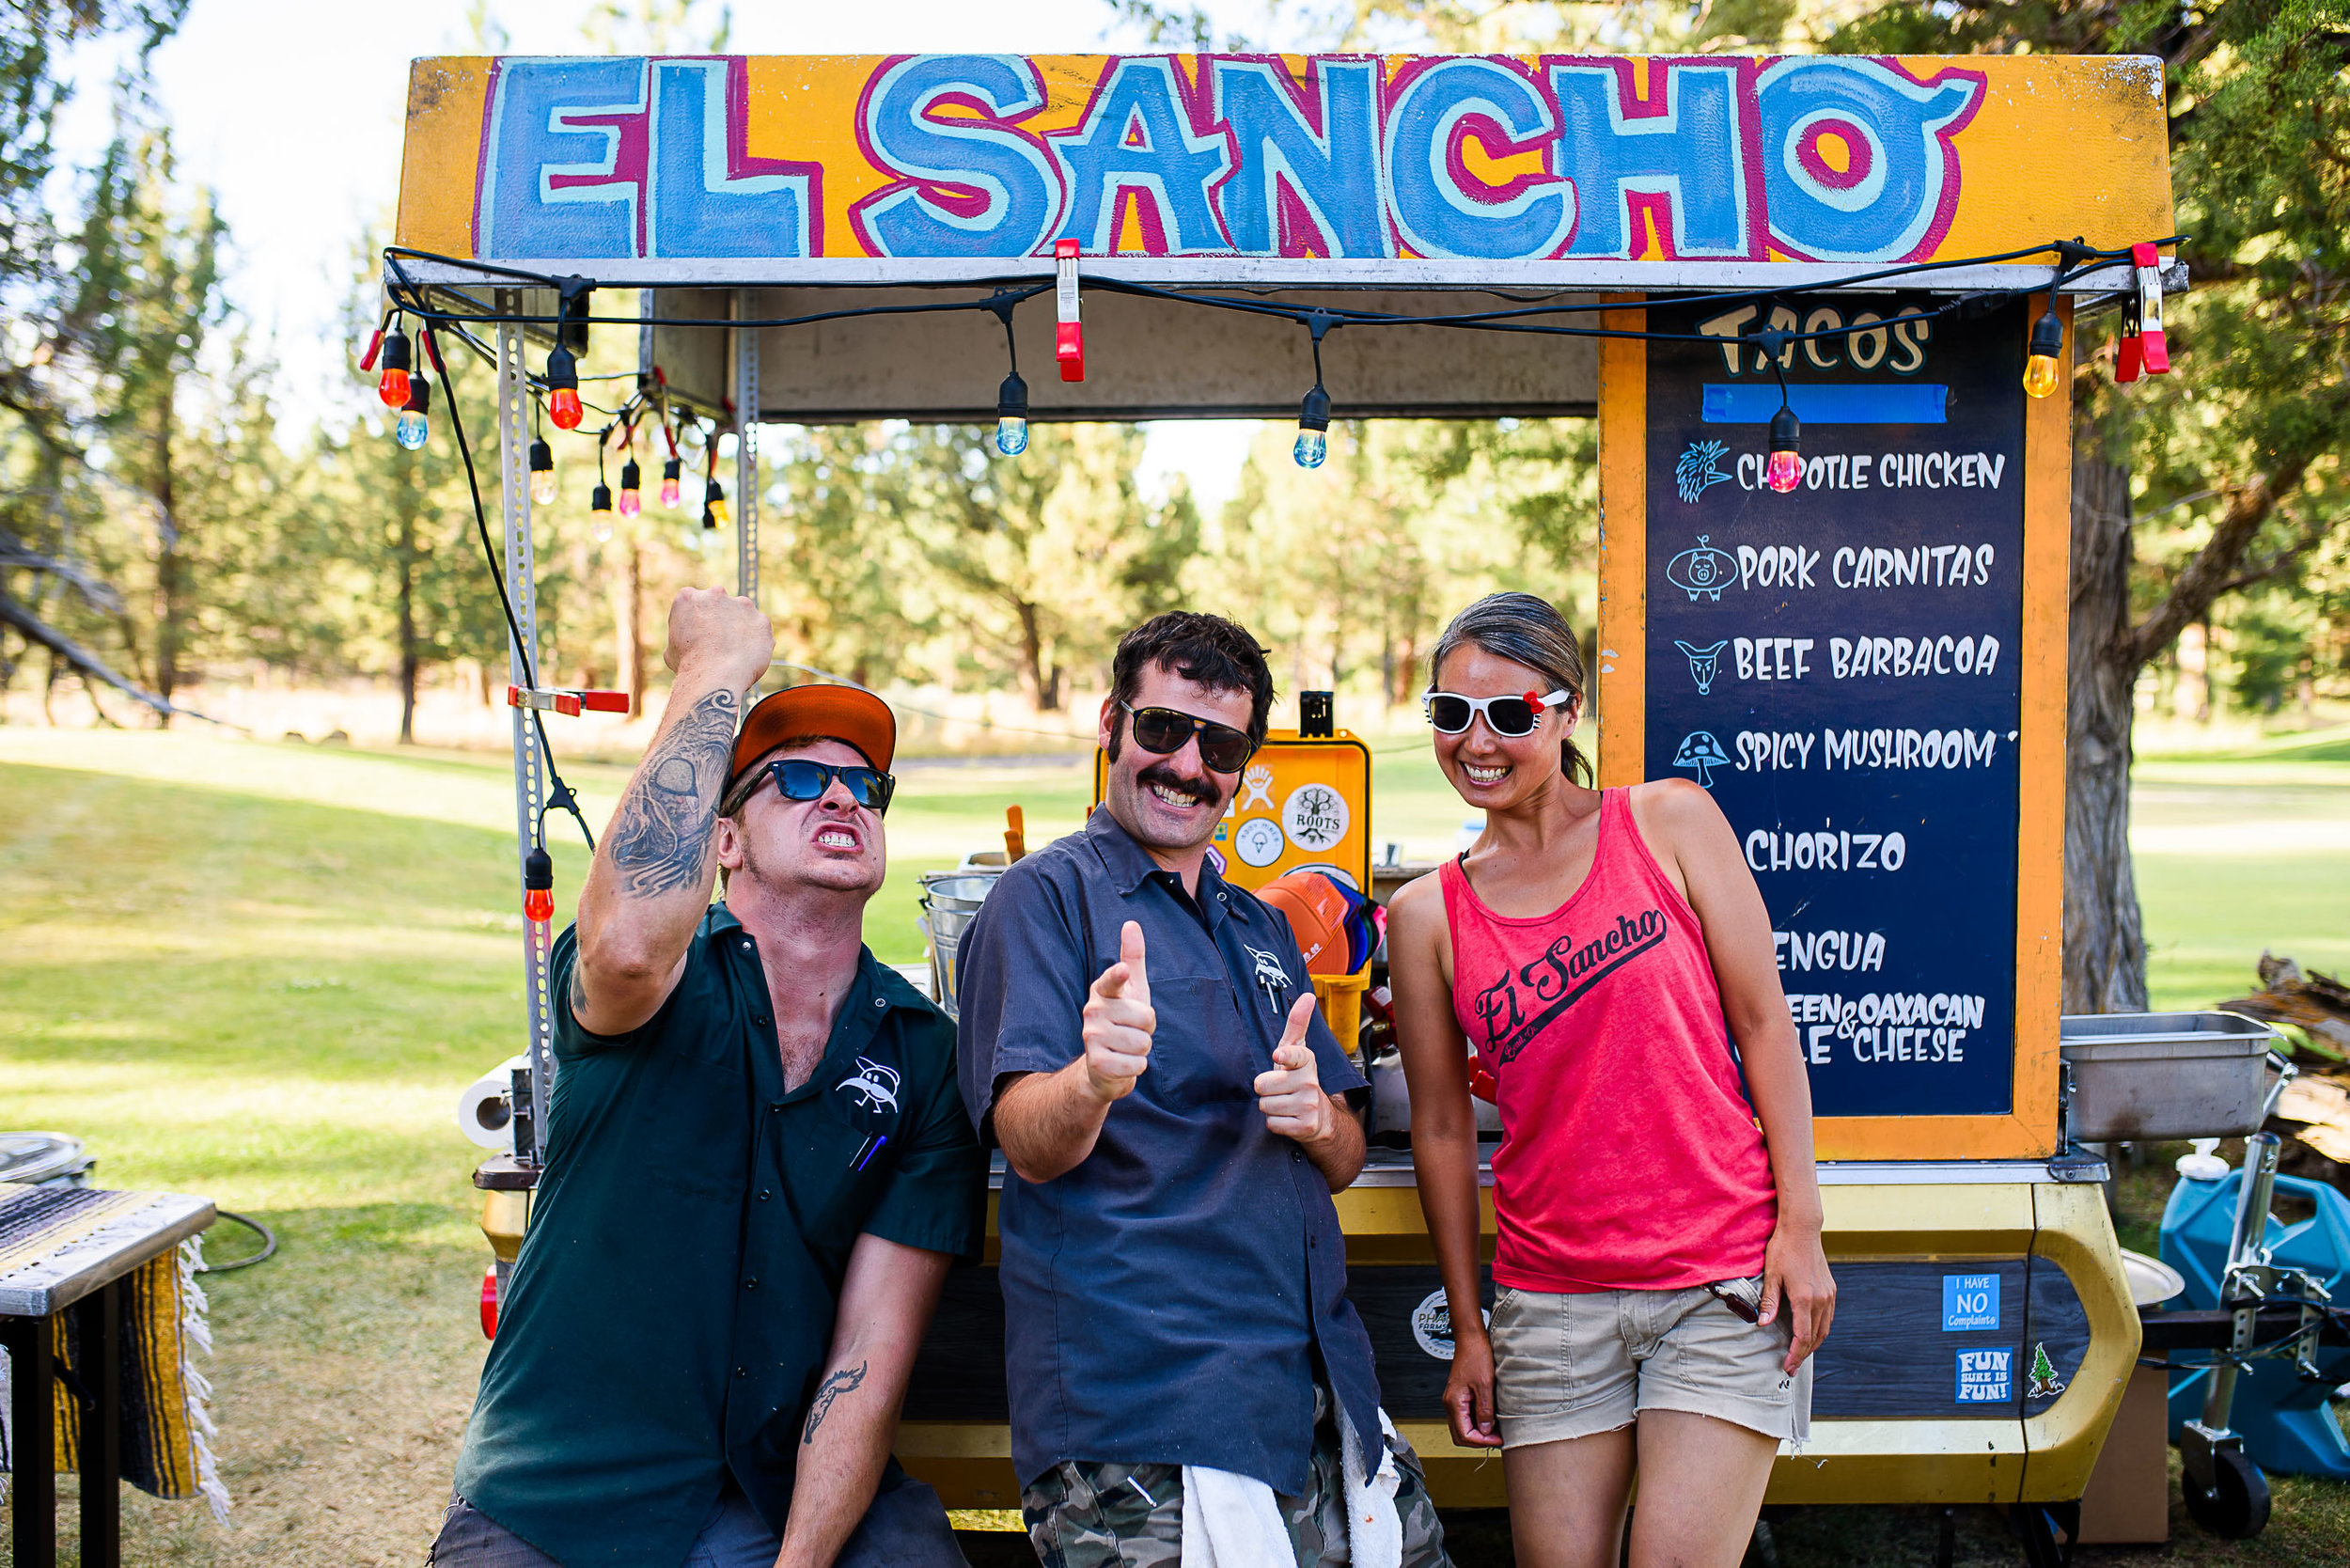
(166, 1427)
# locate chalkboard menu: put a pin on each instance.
(1839, 664)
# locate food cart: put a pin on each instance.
(1821, 307)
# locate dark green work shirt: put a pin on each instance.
(670, 1312)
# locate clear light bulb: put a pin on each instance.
(542, 488)
(1313, 428)
(1012, 415)
(411, 428)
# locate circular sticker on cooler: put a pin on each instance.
(1431, 1325)
(1257, 841)
(1315, 817)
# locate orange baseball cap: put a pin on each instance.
(848, 713)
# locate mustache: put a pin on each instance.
(1201, 790)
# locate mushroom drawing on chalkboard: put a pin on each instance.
(1701, 569)
(1701, 751)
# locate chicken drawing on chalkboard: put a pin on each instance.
(1701, 569)
(1701, 751)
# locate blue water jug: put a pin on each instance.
(2286, 1420)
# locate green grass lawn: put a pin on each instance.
(264, 972)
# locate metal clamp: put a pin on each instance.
(566, 700)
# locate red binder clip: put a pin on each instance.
(570, 702)
(1069, 332)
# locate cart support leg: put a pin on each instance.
(745, 447)
(530, 784)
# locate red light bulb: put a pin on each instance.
(563, 389)
(1785, 469)
(539, 887)
(392, 386)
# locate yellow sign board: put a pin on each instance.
(653, 167)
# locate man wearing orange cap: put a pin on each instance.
(757, 1166)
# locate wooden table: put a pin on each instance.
(83, 1273)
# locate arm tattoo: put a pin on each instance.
(832, 1389)
(660, 837)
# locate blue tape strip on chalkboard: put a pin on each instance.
(1829, 403)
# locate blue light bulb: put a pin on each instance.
(411, 428)
(1011, 436)
(1312, 446)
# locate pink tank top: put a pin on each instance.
(1629, 1157)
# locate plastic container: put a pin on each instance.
(2142, 1076)
(1342, 1001)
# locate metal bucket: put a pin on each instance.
(2142, 1076)
(949, 899)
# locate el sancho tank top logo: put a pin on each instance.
(1553, 982)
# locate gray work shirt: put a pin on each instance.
(1171, 1299)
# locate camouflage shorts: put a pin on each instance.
(1099, 1514)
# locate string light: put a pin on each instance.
(1784, 470)
(2047, 341)
(713, 505)
(1012, 399)
(539, 887)
(541, 473)
(412, 428)
(562, 378)
(1313, 428)
(632, 499)
(1312, 444)
(600, 510)
(672, 485)
(392, 386)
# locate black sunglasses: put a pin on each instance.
(797, 778)
(1164, 731)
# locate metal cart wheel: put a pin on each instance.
(2234, 1506)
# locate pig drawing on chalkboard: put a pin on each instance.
(1702, 568)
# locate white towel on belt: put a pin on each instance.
(1232, 1521)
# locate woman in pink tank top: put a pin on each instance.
(1659, 1277)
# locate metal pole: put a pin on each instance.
(746, 446)
(531, 783)
(2249, 1246)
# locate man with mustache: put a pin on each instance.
(1143, 1041)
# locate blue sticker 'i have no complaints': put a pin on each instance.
(1970, 1301)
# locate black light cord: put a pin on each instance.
(269, 1246)
(2073, 256)
(558, 792)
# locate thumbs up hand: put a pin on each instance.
(1291, 1095)
(1119, 1021)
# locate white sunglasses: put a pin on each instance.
(1451, 712)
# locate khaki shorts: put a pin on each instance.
(1575, 1366)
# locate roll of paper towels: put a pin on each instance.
(483, 1113)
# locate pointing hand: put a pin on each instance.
(1291, 1095)
(1119, 1021)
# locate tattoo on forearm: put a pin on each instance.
(831, 1388)
(660, 837)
